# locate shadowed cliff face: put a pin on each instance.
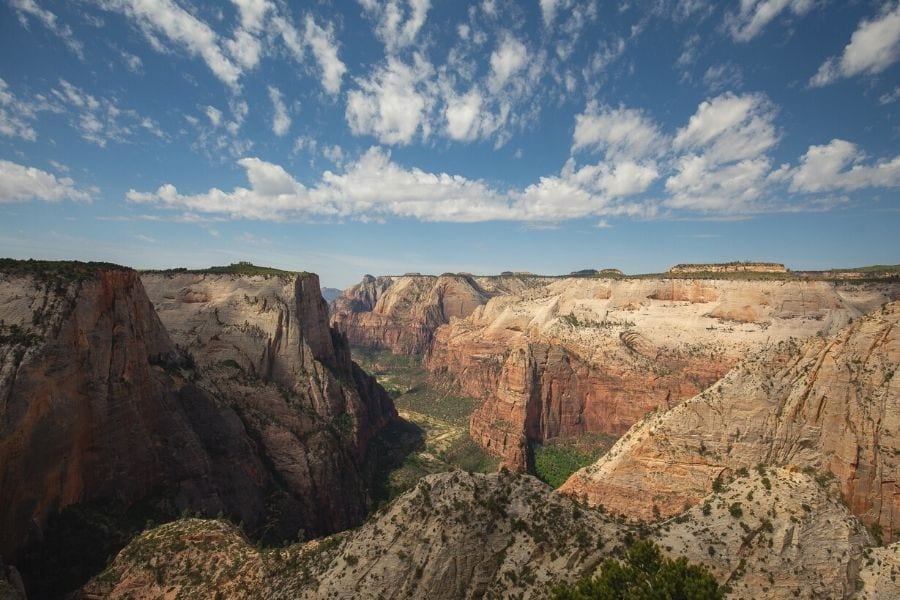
(830, 405)
(97, 402)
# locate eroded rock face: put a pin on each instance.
(829, 404)
(402, 313)
(594, 355)
(460, 535)
(97, 402)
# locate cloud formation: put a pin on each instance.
(19, 183)
(873, 47)
(754, 15)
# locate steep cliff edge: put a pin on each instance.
(401, 313)
(595, 355)
(830, 405)
(97, 402)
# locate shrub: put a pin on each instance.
(645, 574)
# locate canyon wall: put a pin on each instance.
(592, 355)
(401, 313)
(829, 405)
(99, 402)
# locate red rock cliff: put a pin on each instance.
(96, 402)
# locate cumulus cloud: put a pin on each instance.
(839, 165)
(281, 120)
(754, 15)
(718, 162)
(616, 132)
(507, 59)
(374, 187)
(392, 103)
(19, 183)
(723, 164)
(398, 21)
(873, 47)
(729, 127)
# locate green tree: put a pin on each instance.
(645, 574)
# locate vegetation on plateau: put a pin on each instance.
(644, 574)
(67, 271)
(238, 268)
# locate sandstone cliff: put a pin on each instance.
(459, 535)
(402, 313)
(593, 355)
(830, 405)
(97, 402)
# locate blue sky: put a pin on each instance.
(414, 135)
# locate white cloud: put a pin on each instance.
(374, 187)
(548, 11)
(16, 116)
(508, 59)
(29, 8)
(723, 164)
(730, 188)
(392, 104)
(729, 128)
(617, 132)
(221, 138)
(723, 76)
(132, 62)
(281, 120)
(101, 120)
(754, 15)
(463, 115)
(838, 165)
(245, 48)
(19, 183)
(164, 17)
(324, 48)
(253, 13)
(873, 47)
(398, 21)
(889, 97)
(334, 153)
(214, 115)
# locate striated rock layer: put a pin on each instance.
(830, 405)
(98, 403)
(595, 355)
(460, 535)
(402, 313)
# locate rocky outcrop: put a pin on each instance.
(830, 405)
(98, 403)
(594, 355)
(461, 535)
(402, 313)
(880, 574)
(265, 342)
(732, 267)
